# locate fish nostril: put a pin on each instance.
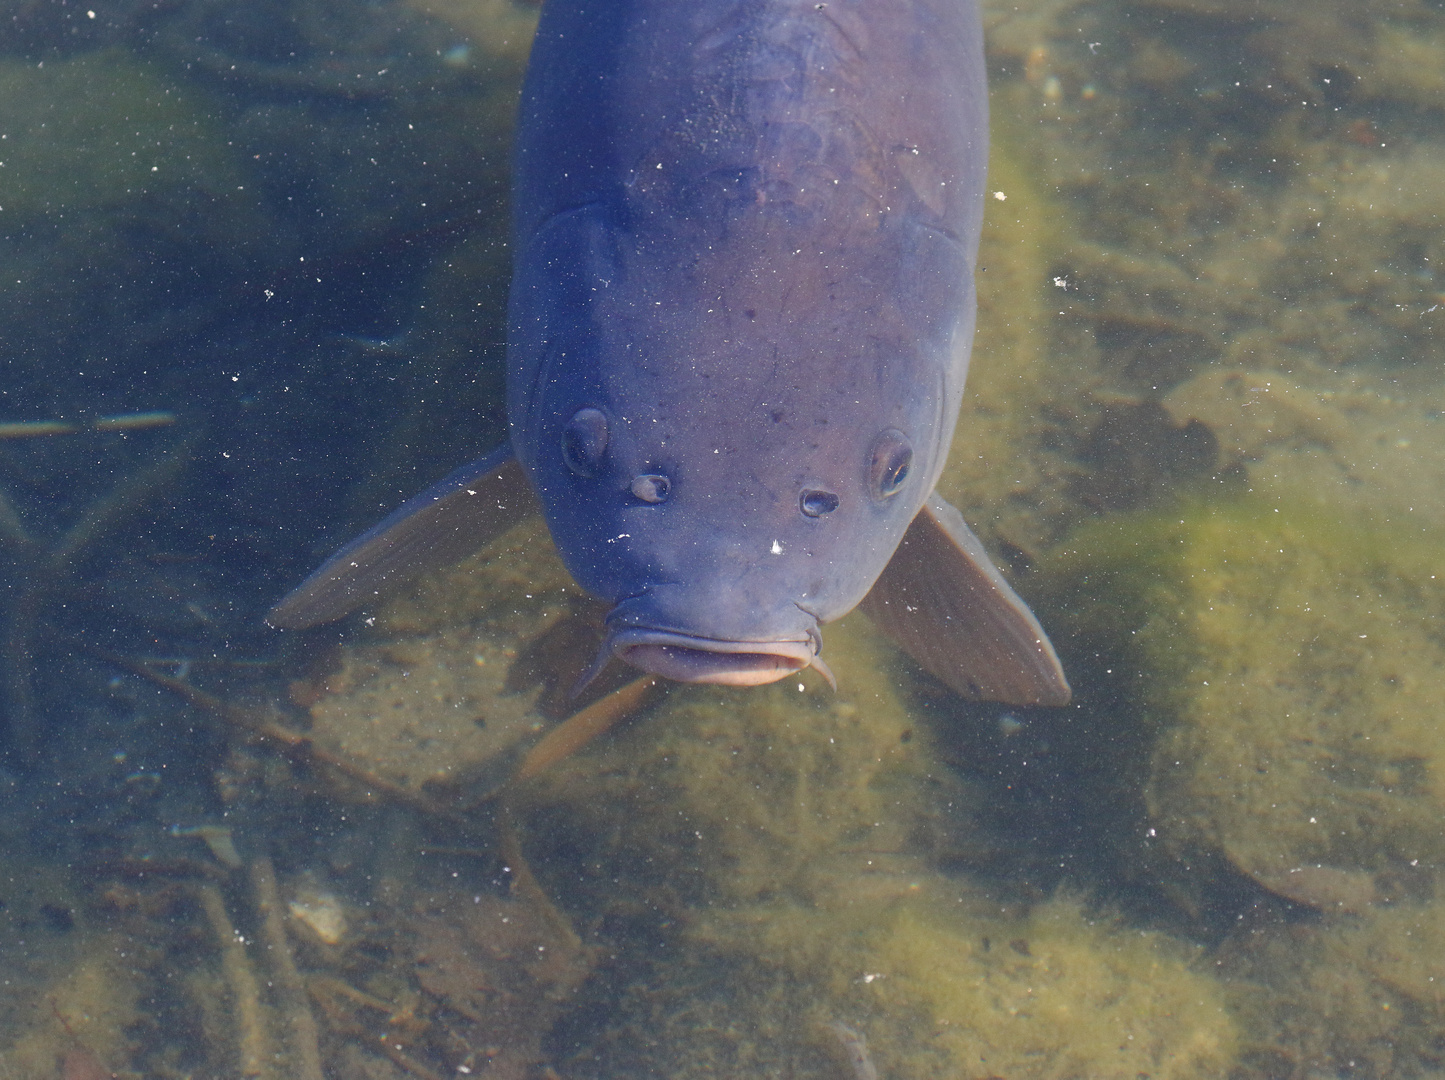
(652, 487)
(815, 503)
(892, 458)
(584, 442)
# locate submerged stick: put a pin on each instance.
(135, 421)
(291, 997)
(80, 1062)
(17, 654)
(34, 429)
(292, 743)
(253, 1042)
(327, 990)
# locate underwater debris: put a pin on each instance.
(274, 1033)
(79, 1010)
(320, 912)
(292, 743)
(29, 429)
(502, 966)
(437, 982)
(343, 1008)
(469, 984)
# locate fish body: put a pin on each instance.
(745, 239)
(739, 328)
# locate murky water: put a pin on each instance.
(252, 277)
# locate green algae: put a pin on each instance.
(791, 844)
(1290, 668)
(948, 986)
(1011, 366)
(1005, 470)
(1272, 668)
(1363, 997)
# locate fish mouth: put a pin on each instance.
(684, 658)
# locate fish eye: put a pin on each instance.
(815, 503)
(584, 442)
(891, 460)
(651, 487)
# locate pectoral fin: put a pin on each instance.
(943, 601)
(450, 520)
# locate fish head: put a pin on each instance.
(730, 455)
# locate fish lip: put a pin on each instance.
(688, 658)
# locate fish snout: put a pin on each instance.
(701, 660)
(645, 633)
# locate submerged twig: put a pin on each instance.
(562, 741)
(17, 659)
(328, 991)
(106, 512)
(253, 1040)
(291, 997)
(80, 1062)
(294, 744)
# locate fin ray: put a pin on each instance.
(942, 600)
(451, 519)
